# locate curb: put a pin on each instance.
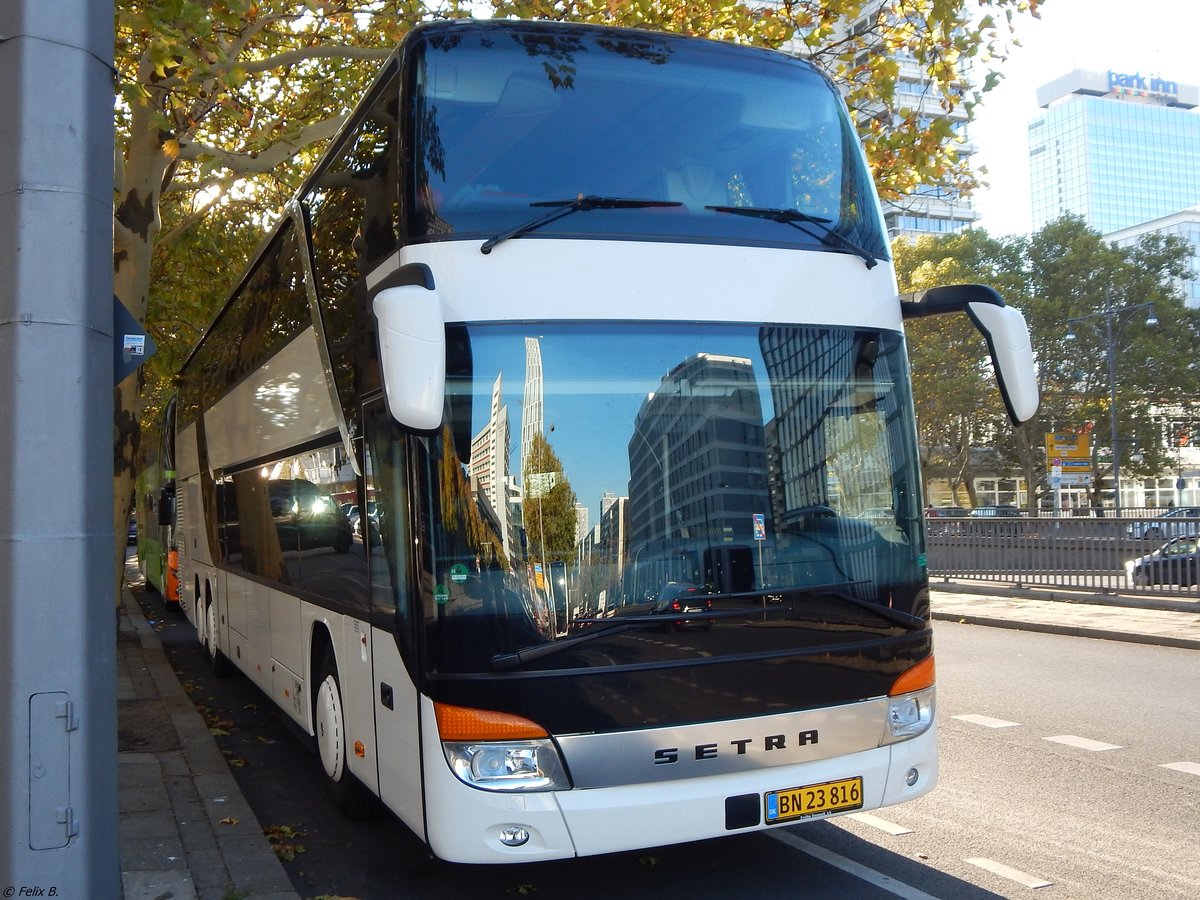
(1062, 595)
(239, 851)
(1129, 637)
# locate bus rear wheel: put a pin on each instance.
(349, 794)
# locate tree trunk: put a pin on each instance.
(139, 178)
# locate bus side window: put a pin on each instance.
(387, 532)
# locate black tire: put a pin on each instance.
(348, 794)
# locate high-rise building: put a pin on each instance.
(1184, 224)
(489, 460)
(698, 474)
(531, 407)
(1117, 149)
(581, 521)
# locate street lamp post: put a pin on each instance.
(1114, 319)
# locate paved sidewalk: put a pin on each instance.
(1169, 623)
(186, 830)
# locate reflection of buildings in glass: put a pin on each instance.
(531, 406)
(581, 521)
(698, 470)
(808, 368)
(489, 462)
(827, 452)
(602, 552)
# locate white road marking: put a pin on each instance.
(1082, 743)
(1030, 881)
(1190, 767)
(881, 824)
(986, 721)
(849, 866)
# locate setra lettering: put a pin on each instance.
(665, 756)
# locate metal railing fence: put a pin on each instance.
(1150, 551)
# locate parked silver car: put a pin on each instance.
(1183, 520)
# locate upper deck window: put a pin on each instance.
(508, 115)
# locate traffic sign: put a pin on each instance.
(1068, 445)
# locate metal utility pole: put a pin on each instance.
(58, 754)
(1114, 319)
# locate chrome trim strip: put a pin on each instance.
(718, 748)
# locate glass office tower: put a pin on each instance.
(1117, 149)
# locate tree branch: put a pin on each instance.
(257, 163)
(291, 57)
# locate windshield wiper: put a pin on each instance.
(895, 616)
(503, 661)
(798, 220)
(563, 208)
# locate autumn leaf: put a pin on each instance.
(229, 820)
(282, 839)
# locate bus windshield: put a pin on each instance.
(593, 482)
(672, 134)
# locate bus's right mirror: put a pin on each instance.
(412, 354)
(1005, 331)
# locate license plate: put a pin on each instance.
(814, 799)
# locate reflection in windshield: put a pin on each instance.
(701, 478)
(518, 115)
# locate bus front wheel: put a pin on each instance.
(329, 726)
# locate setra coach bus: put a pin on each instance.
(553, 464)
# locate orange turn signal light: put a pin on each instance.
(917, 678)
(461, 723)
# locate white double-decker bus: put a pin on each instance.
(554, 465)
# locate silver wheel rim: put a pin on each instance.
(210, 629)
(329, 729)
(201, 624)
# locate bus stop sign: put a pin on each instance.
(131, 345)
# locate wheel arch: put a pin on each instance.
(320, 646)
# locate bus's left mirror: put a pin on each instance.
(412, 354)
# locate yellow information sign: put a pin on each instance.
(1068, 445)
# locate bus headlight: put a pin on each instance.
(909, 715)
(507, 765)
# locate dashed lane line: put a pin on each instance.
(850, 867)
(986, 721)
(881, 824)
(1082, 743)
(1023, 878)
(1190, 767)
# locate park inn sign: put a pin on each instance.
(1137, 84)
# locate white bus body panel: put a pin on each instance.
(397, 735)
(465, 823)
(534, 278)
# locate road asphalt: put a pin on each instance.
(187, 831)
